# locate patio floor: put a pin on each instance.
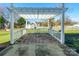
(36, 45)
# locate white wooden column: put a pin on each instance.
(11, 26)
(49, 25)
(62, 25)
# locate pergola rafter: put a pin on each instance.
(37, 12)
(26, 10)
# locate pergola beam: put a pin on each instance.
(26, 10)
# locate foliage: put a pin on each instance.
(2, 22)
(21, 22)
(72, 40)
(1, 19)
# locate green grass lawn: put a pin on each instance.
(42, 30)
(72, 31)
(4, 36)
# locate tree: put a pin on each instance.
(68, 21)
(21, 22)
(2, 21)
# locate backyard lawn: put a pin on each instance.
(40, 30)
(75, 31)
(4, 36)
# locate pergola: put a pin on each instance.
(37, 13)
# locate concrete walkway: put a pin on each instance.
(36, 45)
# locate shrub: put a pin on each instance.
(21, 22)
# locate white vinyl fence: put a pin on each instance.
(19, 33)
(55, 34)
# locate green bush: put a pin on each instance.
(21, 22)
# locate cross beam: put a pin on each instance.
(26, 10)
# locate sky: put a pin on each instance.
(72, 12)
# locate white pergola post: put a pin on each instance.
(62, 25)
(49, 25)
(11, 25)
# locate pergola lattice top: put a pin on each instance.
(38, 13)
